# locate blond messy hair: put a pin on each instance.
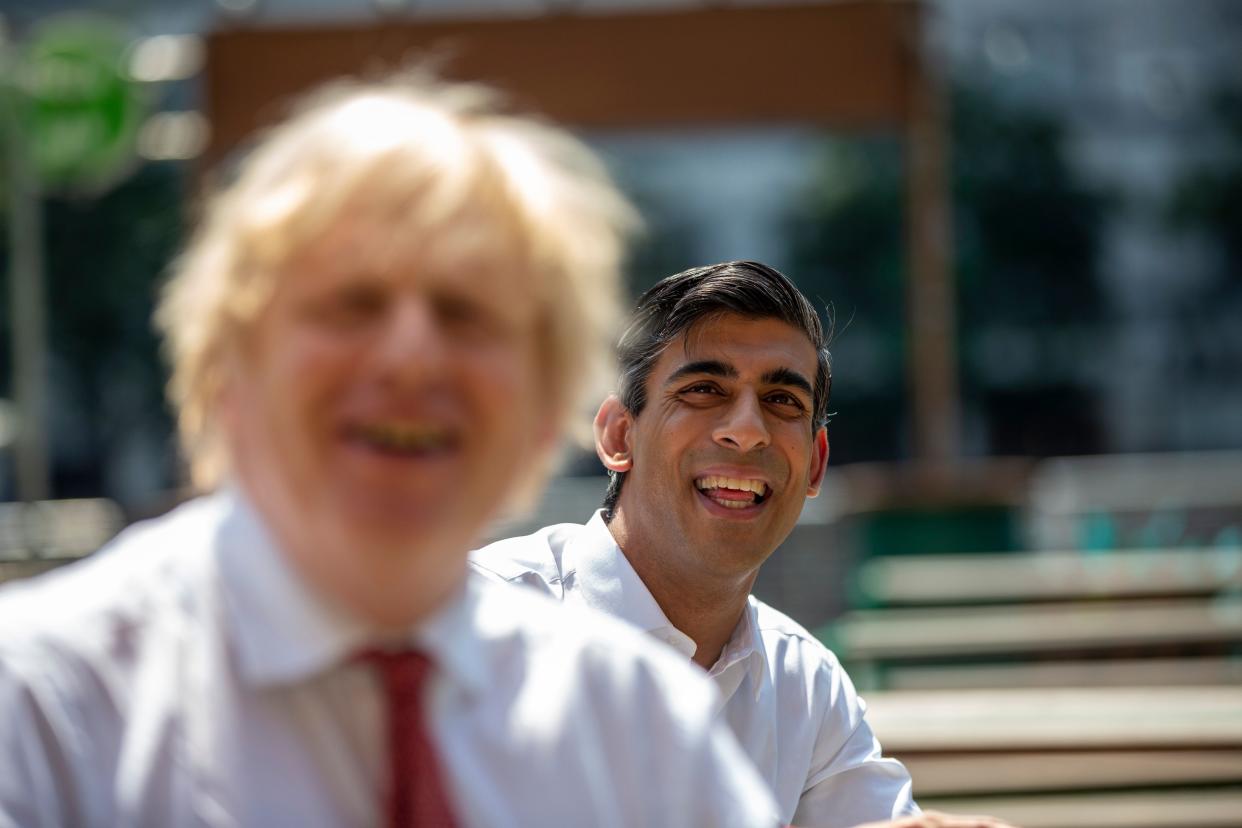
(433, 159)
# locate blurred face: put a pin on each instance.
(724, 454)
(380, 412)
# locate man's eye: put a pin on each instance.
(350, 307)
(701, 388)
(785, 399)
(471, 318)
(454, 310)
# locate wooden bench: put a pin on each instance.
(30, 567)
(37, 537)
(1147, 718)
(1037, 629)
(1097, 672)
(1060, 618)
(1108, 809)
(1060, 689)
(1133, 758)
(1048, 576)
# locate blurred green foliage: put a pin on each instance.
(1028, 228)
(1208, 199)
(1027, 238)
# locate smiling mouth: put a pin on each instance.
(733, 492)
(402, 438)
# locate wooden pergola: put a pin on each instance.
(850, 65)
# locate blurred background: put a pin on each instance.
(1023, 221)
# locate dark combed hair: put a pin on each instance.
(675, 304)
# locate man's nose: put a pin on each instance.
(411, 342)
(743, 428)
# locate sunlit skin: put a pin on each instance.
(936, 819)
(379, 411)
(729, 398)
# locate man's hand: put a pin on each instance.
(934, 819)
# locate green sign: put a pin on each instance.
(80, 110)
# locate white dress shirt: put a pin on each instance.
(785, 696)
(185, 675)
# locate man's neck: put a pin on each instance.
(703, 605)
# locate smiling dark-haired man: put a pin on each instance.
(715, 438)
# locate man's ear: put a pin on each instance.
(612, 435)
(819, 461)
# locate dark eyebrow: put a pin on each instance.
(786, 376)
(711, 367)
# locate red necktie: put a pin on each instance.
(416, 796)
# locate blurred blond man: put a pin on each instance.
(375, 335)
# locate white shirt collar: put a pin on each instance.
(283, 632)
(745, 647)
(604, 579)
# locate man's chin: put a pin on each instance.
(414, 505)
(390, 585)
(402, 529)
(749, 533)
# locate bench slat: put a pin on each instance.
(1049, 575)
(1152, 672)
(1099, 718)
(1035, 628)
(990, 773)
(1173, 809)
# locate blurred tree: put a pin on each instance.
(1207, 202)
(1027, 236)
(665, 243)
(1028, 229)
(1208, 199)
(848, 245)
(104, 258)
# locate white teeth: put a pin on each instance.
(713, 481)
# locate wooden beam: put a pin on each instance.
(931, 294)
(841, 64)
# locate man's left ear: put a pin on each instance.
(612, 435)
(819, 461)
